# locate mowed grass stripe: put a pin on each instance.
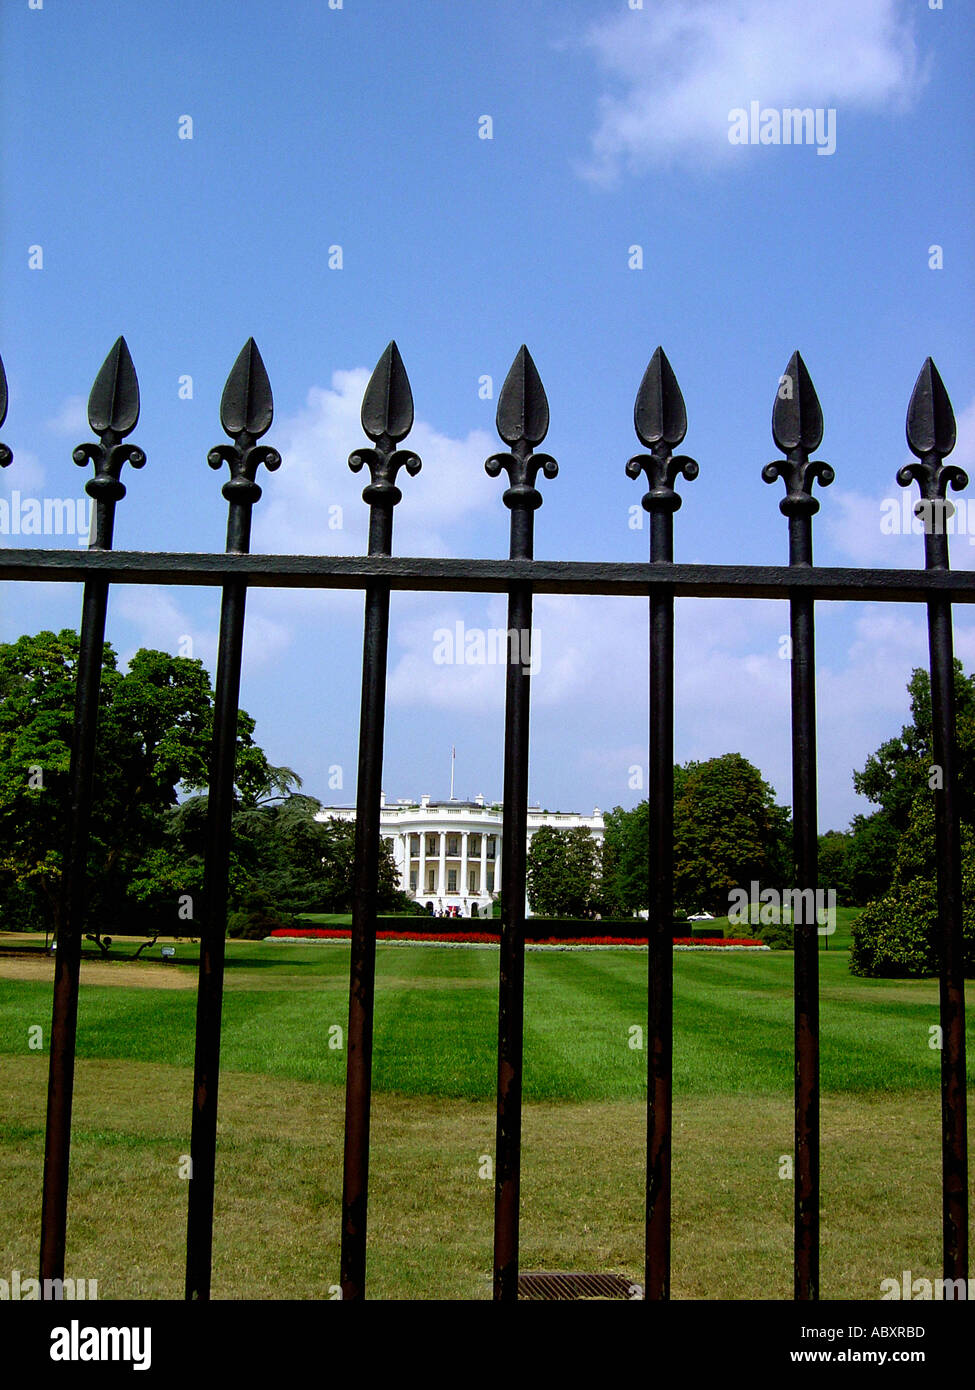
(436, 1022)
(277, 1218)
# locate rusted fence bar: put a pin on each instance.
(797, 428)
(522, 422)
(387, 418)
(246, 413)
(660, 420)
(931, 436)
(113, 413)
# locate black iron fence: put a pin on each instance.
(522, 421)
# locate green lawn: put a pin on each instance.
(436, 1017)
(436, 1021)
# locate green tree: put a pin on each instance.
(625, 874)
(901, 767)
(563, 872)
(728, 832)
(154, 735)
(896, 934)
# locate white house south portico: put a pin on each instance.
(448, 853)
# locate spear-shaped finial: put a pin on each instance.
(113, 412)
(797, 428)
(246, 413)
(522, 422)
(5, 454)
(660, 420)
(387, 418)
(931, 435)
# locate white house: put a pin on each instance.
(448, 853)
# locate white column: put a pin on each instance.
(402, 858)
(442, 879)
(463, 864)
(421, 876)
(483, 883)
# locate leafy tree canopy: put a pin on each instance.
(563, 872)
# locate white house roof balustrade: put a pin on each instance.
(448, 853)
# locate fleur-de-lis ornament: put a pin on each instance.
(522, 422)
(6, 455)
(387, 418)
(931, 436)
(246, 413)
(113, 413)
(797, 428)
(660, 421)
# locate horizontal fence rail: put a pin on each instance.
(622, 579)
(246, 414)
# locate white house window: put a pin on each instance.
(432, 847)
(472, 881)
(413, 879)
(431, 880)
(452, 846)
(451, 880)
(490, 880)
(492, 841)
(474, 844)
(414, 844)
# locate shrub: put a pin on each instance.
(256, 918)
(896, 935)
(780, 936)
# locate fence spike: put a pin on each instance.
(246, 412)
(660, 421)
(113, 412)
(930, 418)
(797, 428)
(113, 406)
(522, 422)
(387, 418)
(522, 405)
(5, 454)
(931, 435)
(387, 406)
(797, 416)
(247, 406)
(659, 415)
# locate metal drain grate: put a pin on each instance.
(555, 1286)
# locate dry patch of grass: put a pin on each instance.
(279, 1183)
(148, 975)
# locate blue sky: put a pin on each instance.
(361, 127)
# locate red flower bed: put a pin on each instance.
(473, 938)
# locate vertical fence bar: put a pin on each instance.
(797, 428)
(246, 412)
(387, 418)
(660, 420)
(113, 412)
(6, 456)
(522, 422)
(931, 435)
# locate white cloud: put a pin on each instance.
(315, 504)
(852, 521)
(163, 624)
(679, 66)
(71, 419)
(25, 475)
